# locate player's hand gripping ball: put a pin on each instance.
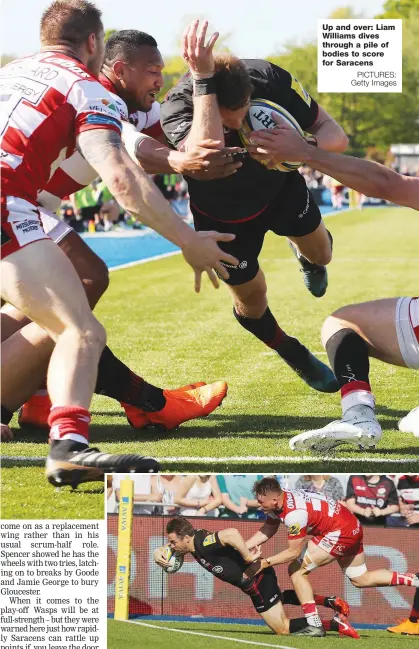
(259, 117)
(167, 559)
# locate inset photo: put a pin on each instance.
(268, 560)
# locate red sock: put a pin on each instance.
(69, 420)
(319, 600)
(402, 579)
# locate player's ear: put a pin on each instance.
(118, 68)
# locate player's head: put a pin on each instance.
(75, 25)
(268, 493)
(233, 89)
(180, 534)
(136, 64)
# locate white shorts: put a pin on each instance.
(54, 227)
(407, 327)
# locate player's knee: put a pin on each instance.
(91, 335)
(331, 325)
(322, 256)
(96, 281)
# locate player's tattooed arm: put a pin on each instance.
(97, 144)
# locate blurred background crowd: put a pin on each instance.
(388, 500)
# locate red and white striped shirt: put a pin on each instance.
(75, 173)
(47, 100)
(306, 512)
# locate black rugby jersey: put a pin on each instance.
(253, 187)
(223, 561)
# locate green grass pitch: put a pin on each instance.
(229, 636)
(171, 336)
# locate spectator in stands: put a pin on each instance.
(408, 489)
(167, 486)
(328, 485)
(199, 495)
(238, 498)
(372, 498)
(144, 491)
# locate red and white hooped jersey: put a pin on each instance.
(305, 513)
(75, 173)
(46, 101)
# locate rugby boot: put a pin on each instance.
(405, 627)
(358, 427)
(410, 423)
(314, 275)
(339, 605)
(315, 631)
(316, 374)
(344, 628)
(71, 463)
(138, 418)
(184, 405)
(35, 411)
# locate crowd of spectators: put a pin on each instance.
(392, 501)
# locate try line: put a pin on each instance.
(208, 635)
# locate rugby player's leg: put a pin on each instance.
(351, 335)
(25, 357)
(355, 568)
(299, 571)
(11, 320)
(51, 295)
(300, 220)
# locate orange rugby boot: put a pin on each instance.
(35, 412)
(138, 418)
(405, 627)
(184, 405)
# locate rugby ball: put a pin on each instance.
(175, 559)
(260, 117)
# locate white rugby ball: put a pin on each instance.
(175, 559)
(259, 117)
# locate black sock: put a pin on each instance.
(414, 614)
(290, 597)
(297, 624)
(265, 328)
(116, 380)
(348, 357)
(6, 415)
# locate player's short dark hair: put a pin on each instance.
(70, 21)
(180, 526)
(123, 45)
(266, 485)
(233, 83)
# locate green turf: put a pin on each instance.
(172, 336)
(123, 634)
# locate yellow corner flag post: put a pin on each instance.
(123, 561)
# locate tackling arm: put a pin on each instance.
(264, 534)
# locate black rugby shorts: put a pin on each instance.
(293, 213)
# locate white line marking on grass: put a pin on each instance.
(208, 635)
(235, 458)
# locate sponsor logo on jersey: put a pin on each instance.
(217, 570)
(294, 530)
(95, 118)
(302, 92)
(209, 540)
(381, 491)
(290, 500)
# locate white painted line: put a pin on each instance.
(236, 458)
(145, 260)
(208, 635)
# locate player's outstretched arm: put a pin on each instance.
(264, 534)
(137, 194)
(328, 133)
(369, 178)
(232, 537)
